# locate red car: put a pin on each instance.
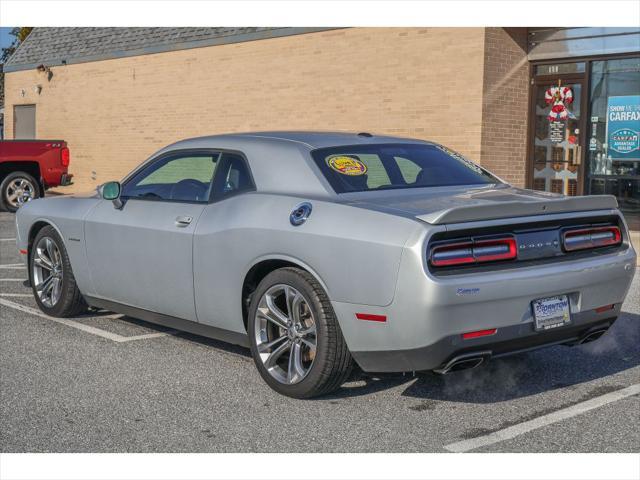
(29, 167)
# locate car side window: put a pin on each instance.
(233, 176)
(181, 177)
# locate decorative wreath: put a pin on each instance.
(558, 98)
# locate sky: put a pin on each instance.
(5, 38)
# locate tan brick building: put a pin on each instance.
(116, 95)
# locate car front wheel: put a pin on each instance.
(296, 342)
(54, 286)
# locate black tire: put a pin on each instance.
(71, 302)
(5, 202)
(333, 362)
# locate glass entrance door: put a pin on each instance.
(557, 140)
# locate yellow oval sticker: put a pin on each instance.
(347, 165)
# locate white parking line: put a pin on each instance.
(12, 279)
(565, 413)
(99, 315)
(14, 265)
(85, 328)
(148, 336)
(7, 239)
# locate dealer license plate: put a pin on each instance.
(551, 312)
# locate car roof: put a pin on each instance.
(279, 161)
(311, 139)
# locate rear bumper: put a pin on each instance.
(66, 179)
(57, 177)
(424, 322)
(506, 341)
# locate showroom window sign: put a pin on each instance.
(623, 127)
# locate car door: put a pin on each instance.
(219, 259)
(141, 254)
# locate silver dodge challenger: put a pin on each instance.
(322, 251)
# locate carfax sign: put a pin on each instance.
(623, 127)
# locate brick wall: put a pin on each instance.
(419, 82)
(505, 103)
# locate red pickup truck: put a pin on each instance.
(29, 167)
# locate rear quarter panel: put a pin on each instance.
(354, 253)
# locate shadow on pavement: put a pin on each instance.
(364, 384)
(209, 342)
(501, 379)
(522, 374)
(218, 345)
(538, 371)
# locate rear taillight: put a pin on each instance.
(65, 157)
(593, 237)
(473, 251)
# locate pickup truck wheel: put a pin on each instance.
(54, 286)
(16, 189)
(295, 339)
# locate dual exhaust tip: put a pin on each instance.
(592, 336)
(472, 360)
(464, 362)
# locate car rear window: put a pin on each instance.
(360, 168)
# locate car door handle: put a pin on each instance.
(183, 221)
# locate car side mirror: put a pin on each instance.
(111, 191)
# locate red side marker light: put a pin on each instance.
(605, 308)
(370, 317)
(479, 333)
(23, 252)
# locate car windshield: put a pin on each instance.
(361, 168)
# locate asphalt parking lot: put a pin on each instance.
(108, 383)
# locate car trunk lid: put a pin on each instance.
(447, 205)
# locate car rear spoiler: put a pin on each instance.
(491, 211)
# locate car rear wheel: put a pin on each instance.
(296, 342)
(16, 189)
(52, 281)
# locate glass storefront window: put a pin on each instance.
(613, 156)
